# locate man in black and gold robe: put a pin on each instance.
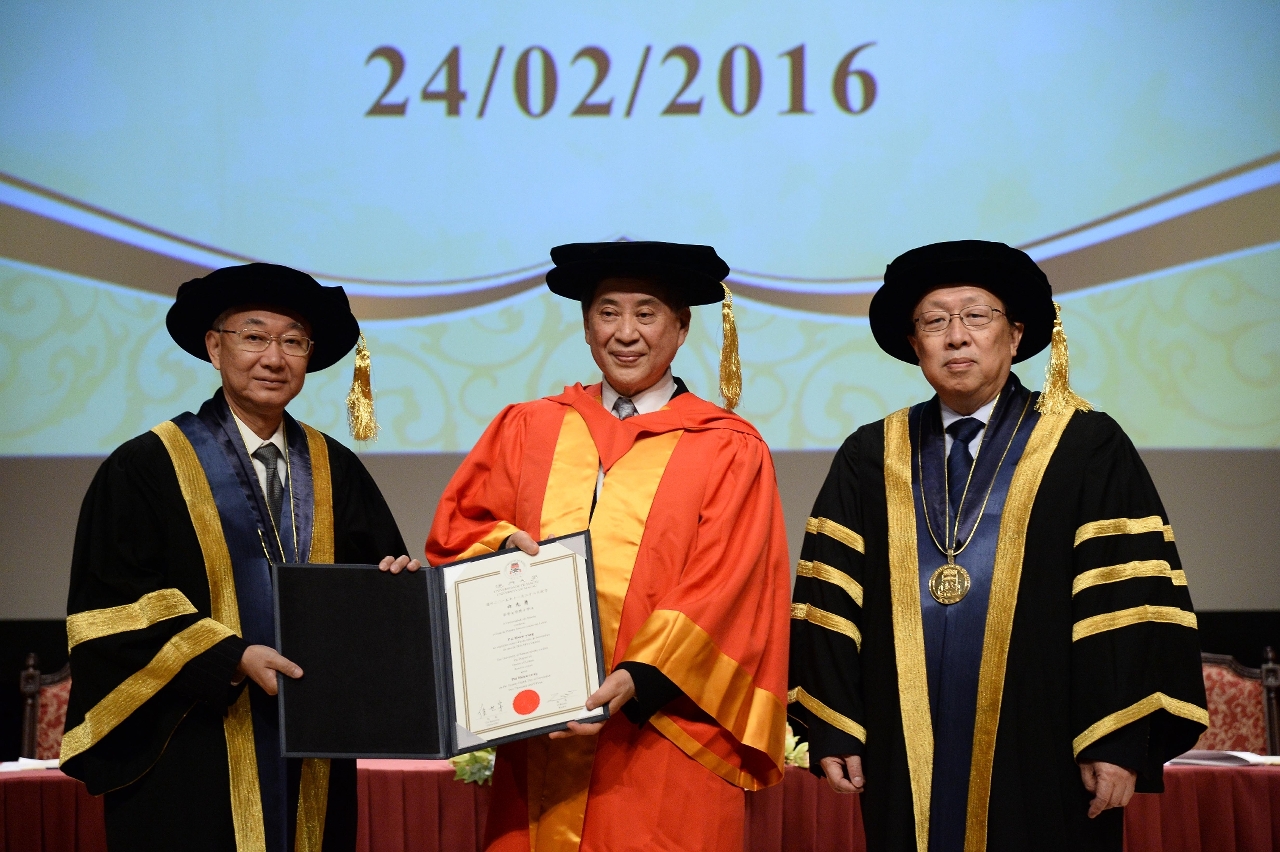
(171, 628)
(991, 630)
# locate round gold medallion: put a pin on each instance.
(949, 584)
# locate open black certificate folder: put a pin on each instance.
(438, 662)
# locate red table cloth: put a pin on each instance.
(416, 806)
(1206, 809)
(803, 814)
(43, 809)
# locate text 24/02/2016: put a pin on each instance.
(536, 82)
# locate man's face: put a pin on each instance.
(258, 383)
(966, 366)
(633, 333)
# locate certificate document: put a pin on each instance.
(524, 641)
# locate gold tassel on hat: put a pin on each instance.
(360, 416)
(730, 364)
(1057, 396)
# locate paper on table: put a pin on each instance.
(24, 763)
(523, 643)
(1207, 757)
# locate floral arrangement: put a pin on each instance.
(474, 767)
(796, 752)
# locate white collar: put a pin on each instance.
(950, 415)
(251, 440)
(649, 400)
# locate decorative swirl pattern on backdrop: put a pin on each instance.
(1187, 358)
(1227, 212)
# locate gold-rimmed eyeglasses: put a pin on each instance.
(255, 340)
(973, 316)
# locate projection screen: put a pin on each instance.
(427, 156)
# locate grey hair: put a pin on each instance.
(222, 318)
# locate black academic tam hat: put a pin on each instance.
(334, 328)
(1007, 272)
(693, 273)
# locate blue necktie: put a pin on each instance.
(960, 460)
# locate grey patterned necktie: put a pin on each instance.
(269, 455)
(624, 408)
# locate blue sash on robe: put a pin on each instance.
(251, 540)
(953, 634)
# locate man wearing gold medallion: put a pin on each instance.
(171, 629)
(690, 569)
(991, 631)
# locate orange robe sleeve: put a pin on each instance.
(478, 509)
(721, 632)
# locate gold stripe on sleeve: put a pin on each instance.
(140, 686)
(673, 643)
(1133, 615)
(836, 720)
(908, 621)
(1005, 580)
(829, 620)
(151, 608)
(1134, 712)
(822, 571)
(842, 534)
(492, 541)
(1123, 526)
(667, 726)
(1126, 571)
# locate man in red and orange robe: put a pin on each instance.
(690, 562)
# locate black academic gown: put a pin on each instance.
(158, 749)
(1089, 649)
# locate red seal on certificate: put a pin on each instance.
(526, 702)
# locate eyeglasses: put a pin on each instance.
(253, 340)
(974, 316)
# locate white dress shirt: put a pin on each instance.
(252, 442)
(647, 401)
(984, 414)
